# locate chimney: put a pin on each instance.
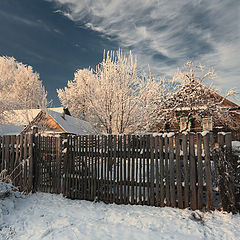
(63, 115)
(65, 112)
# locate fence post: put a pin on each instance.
(186, 170)
(206, 140)
(65, 165)
(3, 154)
(193, 196)
(30, 154)
(35, 156)
(171, 173)
(59, 162)
(199, 171)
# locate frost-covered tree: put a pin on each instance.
(20, 87)
(193, 97)
(115, 95)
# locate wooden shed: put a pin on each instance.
(182, 122)
(49, 121)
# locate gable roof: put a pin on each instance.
(211, 93)
(71, 124)
(68, 124)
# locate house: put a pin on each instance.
(192, 109)
(50, 121)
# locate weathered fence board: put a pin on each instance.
(209, 193)
(199, 171)
(178, 172)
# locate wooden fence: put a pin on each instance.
(161, 170)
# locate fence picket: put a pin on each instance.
(7, 162)
(137, 186)
(11, 153)
(193, 197)
(199, 171)
(167, 187)
(114, 159)
(144, 170)
(129, 168)
(125, 168)
(209, 194)
(157, 169)
(151, 178)
(133, 153)
(161, 171)
(148, 167)
(3, 164)
(101, 187)
(140, 169)
(178, 172)
(121, 168)
(171, 173)
(17, 163)
(30, 176)
(186, 166)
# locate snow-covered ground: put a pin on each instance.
(47, 216)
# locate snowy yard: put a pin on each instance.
(47, 216)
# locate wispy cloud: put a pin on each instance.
(34, 23)
(166, 33)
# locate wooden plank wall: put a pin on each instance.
(161, 170)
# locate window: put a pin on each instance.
(185, 124)
(207, 123)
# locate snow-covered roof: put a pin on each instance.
(57, 109)
(22, 118)
(71, 124)
(6, 129)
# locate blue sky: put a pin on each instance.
(57, 37)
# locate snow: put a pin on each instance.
(7, 129)
(236, 148)
(44, 216)
(236, 145)
(223, 133)
(72, 124)
(204, 133)
(171, 134)
(156, 134)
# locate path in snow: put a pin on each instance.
(47, 216)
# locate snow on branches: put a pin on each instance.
(191, 97)
(115, 96)
(20, 87)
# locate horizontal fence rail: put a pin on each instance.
(162, 170)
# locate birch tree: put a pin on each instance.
(20, 87)
(115, 96)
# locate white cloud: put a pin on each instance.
(166, 33)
